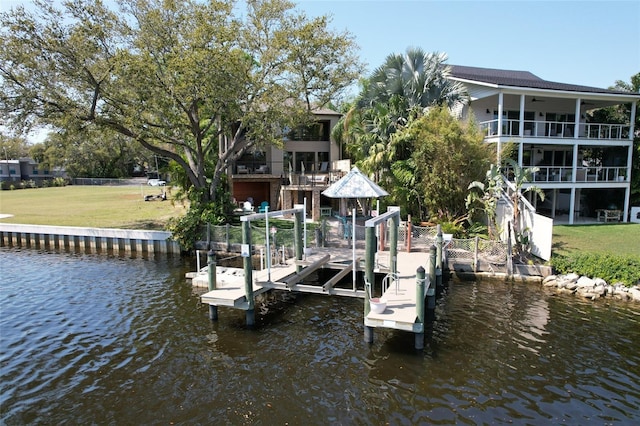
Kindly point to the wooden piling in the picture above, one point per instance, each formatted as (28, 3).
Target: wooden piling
(431, 291)
(297, 232)
(393, 244)
(369, 259)
(211, 270)
(248, 274)
(420, 311)
(409, 234)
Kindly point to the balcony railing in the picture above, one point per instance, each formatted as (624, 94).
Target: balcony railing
(556, 129)
(583, 174)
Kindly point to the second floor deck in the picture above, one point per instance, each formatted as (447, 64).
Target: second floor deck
(555, 174)
(555, 129)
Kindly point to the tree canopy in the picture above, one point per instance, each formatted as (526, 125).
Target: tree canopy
(446, 155)
(391, 132)
(198, 83)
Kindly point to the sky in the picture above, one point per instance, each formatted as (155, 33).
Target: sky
(590, 43)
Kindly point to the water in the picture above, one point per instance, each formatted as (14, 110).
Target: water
(92, 339)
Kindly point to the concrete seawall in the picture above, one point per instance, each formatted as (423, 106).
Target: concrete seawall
(87, 239)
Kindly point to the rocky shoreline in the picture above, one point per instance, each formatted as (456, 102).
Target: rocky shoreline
(591, 288)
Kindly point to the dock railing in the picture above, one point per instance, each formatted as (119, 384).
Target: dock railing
(479, 254)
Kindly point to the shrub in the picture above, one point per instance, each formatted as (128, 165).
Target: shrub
(611, 268)
(59, 181)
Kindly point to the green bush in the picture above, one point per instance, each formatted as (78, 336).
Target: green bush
(611, 268)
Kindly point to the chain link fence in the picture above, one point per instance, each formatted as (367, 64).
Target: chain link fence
(473, 254)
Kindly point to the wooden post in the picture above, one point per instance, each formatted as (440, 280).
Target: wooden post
(419, 337)
(439, 244)
(475, 254)
(297, 238)
(393, 245)
(431, 291)
(211, 270)
(409, 234)
(509, 251)
(369, 259)
(248, 274)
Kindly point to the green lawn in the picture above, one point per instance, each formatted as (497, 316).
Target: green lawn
(124, 207)
(90, 206)
(618, 239)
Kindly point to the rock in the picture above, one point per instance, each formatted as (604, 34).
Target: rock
(550, 283)
(599, 281)
(572, 277)
(550, 278)
(571, 285)
(600, 290)
(585, 282)
(634, 292)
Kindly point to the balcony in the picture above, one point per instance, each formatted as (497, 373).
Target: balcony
(555, 174)
(556, 129)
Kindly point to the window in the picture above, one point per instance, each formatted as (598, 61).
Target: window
(305, 161)
(319, 131)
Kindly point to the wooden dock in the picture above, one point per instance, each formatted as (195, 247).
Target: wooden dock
(401, 297)
(404, 290)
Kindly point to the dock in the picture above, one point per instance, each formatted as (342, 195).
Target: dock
(405, 287)
(401, 297)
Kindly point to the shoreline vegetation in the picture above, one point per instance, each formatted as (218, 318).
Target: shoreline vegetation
(610, 251)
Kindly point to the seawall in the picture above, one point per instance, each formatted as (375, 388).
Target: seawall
(87, 239)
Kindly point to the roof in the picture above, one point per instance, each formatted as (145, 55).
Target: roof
(522, 79)
(354, 185)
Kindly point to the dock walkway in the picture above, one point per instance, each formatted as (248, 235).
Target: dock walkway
(400, 296)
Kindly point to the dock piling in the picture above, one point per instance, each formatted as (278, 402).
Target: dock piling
(420, 294)
(211, 270)
(431, 291)
(248, 274)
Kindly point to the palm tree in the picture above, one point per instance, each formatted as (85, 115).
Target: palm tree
(398, 91)
(419, 78)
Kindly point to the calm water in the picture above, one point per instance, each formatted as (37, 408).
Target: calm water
(106, 340)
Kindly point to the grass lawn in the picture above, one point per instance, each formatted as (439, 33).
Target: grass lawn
(89, 206)
(618, 239)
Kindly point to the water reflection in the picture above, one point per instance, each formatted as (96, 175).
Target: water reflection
(98, 339)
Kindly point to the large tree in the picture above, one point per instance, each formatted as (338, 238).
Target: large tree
(199, 83)
(13, 147)
(444, 155)
(90, 153)
(400, 90)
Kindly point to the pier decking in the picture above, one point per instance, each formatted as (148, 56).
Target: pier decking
(405, 287)
(401, 297)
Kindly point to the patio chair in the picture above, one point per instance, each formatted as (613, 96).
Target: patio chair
(263, 207)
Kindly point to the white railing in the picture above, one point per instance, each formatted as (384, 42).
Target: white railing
(556, 129)
(583, 174)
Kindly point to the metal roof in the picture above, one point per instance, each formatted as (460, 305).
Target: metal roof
(354, 185)
(522, 79)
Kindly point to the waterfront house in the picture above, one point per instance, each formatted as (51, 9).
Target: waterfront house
(306, 165)
(22, 170)
(584, 166)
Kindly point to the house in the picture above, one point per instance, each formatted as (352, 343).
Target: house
(24, 169)
(584, 167)
(306, 165)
